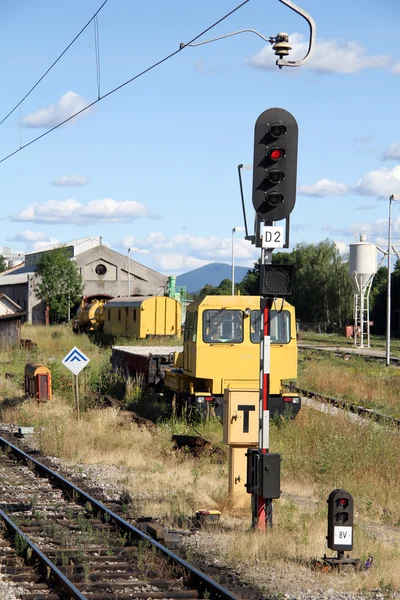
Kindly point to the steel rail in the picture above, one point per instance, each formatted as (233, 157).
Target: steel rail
(341, 351)
(44, 561)
(203, 580)
(345, 405)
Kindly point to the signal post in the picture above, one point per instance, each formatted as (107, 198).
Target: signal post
(274, 197)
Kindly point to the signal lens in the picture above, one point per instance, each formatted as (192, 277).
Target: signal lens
(275, 176)
(273, 198)
(276, 153)
(277, 282)
(343, 502)
(277, 130)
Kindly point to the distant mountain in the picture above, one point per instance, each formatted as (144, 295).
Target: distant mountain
(211, 274)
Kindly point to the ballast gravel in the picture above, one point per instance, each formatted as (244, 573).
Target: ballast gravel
(274, 583)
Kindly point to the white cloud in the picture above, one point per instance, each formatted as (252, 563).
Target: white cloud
(50, 242)
(373, 229)
(69, 104)
(365, 139)
(324, 187)
(178, 262)
(201, 67)
(330, 56)
(396, 68)
(365, 207)
(380, 183)
(184, 251)
(72, 211)
(70, 181)
(202, 246)
(28, 236)
(301, 227)
(343, 247)
(393, 152)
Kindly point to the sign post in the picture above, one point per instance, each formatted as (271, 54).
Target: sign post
(75, 361)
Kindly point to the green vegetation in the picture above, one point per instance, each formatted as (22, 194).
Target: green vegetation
(353, 378)
(320, 452)
(223, 289)
(323, 291)
(3, 264)
(60, 284)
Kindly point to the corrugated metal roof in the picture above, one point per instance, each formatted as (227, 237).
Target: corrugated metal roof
(128, 301)
(18, 271)
(89, 239)
(13, 279)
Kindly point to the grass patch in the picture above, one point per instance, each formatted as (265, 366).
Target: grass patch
(378, 342)
(319, 453)
(367, 383)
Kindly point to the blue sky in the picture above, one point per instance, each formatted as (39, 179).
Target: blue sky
(154, 166)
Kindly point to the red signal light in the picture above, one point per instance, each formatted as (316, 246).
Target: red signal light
(276, 153)
(343, 502)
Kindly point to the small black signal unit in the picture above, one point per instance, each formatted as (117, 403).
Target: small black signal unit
(340, 520)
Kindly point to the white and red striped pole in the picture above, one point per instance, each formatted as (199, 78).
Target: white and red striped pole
(262, 508)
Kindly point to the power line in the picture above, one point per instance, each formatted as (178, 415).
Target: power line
(54, 63)
(153, 66)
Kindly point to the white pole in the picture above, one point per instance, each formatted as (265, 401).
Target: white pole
(233, 265)
(389, 285)
(233, 258)
(129, 274)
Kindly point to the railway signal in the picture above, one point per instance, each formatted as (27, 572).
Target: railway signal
(340, 521)
(274, 197)
(275, 164)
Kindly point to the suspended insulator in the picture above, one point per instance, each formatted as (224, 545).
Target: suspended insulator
(282, 46)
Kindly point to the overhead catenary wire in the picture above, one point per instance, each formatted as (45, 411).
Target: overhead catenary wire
(116, 89)
(97, 52)
(56, 61)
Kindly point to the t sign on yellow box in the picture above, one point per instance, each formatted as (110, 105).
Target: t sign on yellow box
(241, 417)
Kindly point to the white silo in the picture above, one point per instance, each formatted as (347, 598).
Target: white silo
(363, 266)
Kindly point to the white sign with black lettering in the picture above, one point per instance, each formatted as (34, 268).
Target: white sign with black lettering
(272, 237)
(342, 536)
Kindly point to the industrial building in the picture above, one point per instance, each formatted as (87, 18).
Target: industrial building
(103, 271)
(11, 316)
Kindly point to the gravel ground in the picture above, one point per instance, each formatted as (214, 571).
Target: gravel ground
(289, 582)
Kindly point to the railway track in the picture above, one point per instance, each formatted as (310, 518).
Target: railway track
(366, 353)
(60, 543)
(346, 405)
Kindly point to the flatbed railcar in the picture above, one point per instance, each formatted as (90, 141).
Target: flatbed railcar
(221, 349)
(150, 362)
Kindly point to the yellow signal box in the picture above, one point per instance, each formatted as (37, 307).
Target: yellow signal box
(241, 417)
(238, 474)
(241, 424)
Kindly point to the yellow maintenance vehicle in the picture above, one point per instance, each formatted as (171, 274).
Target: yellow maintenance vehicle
(221, 349)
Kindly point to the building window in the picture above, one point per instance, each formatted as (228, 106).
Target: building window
(101, 270)
(119, 314)
(134, 314)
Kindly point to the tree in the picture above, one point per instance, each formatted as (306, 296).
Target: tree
(250, 284)
(3, 264)
(378, 300)
(322, 290)
(223, 289)
(60, 284)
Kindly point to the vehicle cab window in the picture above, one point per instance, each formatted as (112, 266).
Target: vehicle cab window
(223, 326)
(279, 327)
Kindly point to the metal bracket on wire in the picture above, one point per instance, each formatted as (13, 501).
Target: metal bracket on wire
(280, 42)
